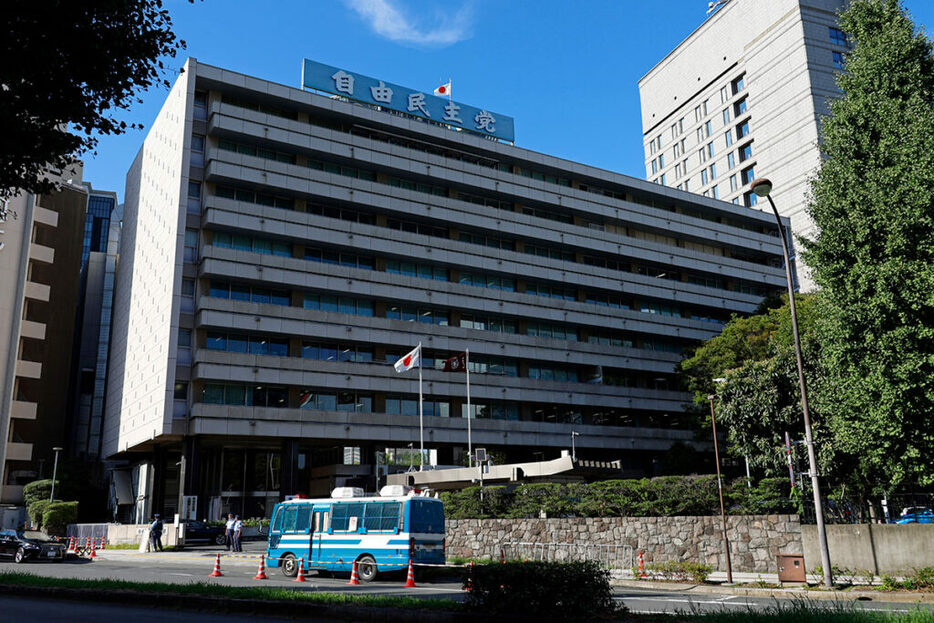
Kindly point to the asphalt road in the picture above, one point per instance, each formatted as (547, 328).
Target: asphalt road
(195, 565)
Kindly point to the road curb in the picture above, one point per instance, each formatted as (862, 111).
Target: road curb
(779, 593)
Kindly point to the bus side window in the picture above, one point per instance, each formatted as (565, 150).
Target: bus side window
(303, 520)
(288, 524)
(325, 524)
(277, 522)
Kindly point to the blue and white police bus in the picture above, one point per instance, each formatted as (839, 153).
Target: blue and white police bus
(379, 533)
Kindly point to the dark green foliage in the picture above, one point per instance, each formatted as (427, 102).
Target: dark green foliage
(38, 490)
(766, 497)
(554, 590)
(57, 516)
(66, 68)
(657, 497)
(873, 204)
(36, 510)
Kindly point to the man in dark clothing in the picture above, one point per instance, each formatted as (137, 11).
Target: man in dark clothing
(155, 533)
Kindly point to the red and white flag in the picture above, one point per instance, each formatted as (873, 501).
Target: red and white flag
(409, 361)
(444, 90)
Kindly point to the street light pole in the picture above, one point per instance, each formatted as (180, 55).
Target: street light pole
(716, 454)
(763, 188)
(574, 434)
(56, 450)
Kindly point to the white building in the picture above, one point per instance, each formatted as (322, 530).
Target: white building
(742, 97)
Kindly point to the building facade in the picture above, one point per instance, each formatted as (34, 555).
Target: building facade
(282, 248)
(742, 97)
(40, 251)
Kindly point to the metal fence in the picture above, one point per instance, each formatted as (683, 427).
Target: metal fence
(846, 511)
(609, 556)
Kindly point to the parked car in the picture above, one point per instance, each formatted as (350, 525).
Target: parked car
(916, 514)
(198, 531)
(30, 545)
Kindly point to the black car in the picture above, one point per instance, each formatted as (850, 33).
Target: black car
(30, 545)
(198, 531)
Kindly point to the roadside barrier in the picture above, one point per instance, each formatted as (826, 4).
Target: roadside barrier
(410, 578)
(354, 579)
(300, 577)
(261, 572)
(217, 568)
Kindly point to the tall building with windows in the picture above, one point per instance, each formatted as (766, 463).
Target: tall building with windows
(40, 251)
(742, 97)
(282, 248)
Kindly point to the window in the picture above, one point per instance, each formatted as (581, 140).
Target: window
(739, 84)
(837, 36)
(724, 94)
(661, 179)
(707, 127)
(194, 197)
(702, 154)
(704, 107)
(713, 171)
(715, 192)
(728, 137)
(745, 152)
(732, 182)
(191, 245)
(726, 116)
(750, 199)
(710, 149)
(652, 148)
(687, 184)
(700, 134)
(703, 177)
(837, 60)
(201, 105)
(739, 107)
(654, 166)
(674, 131)
(748, 175)
(680, 125)
(697, 113)
(677, 170)
(742, 130)
(197, 150)
(658, 141)
(661, 161)
(730, 160)
(677, 150)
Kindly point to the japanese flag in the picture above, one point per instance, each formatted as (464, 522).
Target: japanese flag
(444, 90)
(409, 361)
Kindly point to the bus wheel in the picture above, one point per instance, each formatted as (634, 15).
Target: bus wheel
(289, 566)
(366, 568)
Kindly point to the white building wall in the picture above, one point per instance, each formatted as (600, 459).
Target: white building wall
(148, 290)
(783, 49)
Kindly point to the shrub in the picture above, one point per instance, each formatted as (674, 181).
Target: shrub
(575, 590)
(38, 490)
(679, 571)
(36, 511)
(58, 515)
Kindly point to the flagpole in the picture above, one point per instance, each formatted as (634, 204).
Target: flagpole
(421, 426)
(469, 440)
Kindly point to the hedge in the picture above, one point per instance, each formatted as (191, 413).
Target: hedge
(58, 515)
(658, 497)
(36, 510)
(553, 590)
(38, 490)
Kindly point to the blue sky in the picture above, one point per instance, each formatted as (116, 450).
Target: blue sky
(567, 71)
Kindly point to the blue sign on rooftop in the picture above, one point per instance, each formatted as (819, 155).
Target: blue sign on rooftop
(379, 93)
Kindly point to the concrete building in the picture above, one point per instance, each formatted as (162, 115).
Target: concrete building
(742, 97)
(281, 248)
(40, 252)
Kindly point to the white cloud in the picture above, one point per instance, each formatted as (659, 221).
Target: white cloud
(388, 20)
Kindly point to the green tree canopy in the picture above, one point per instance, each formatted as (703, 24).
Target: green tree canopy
(873, 204)
(65, 69)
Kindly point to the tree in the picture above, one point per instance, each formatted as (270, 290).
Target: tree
(66, 68)
(873, 204)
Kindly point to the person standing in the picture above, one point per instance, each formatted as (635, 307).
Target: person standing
(237, 533)
(155, 533)
(228, 531)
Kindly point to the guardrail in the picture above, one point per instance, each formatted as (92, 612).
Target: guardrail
(613, 556)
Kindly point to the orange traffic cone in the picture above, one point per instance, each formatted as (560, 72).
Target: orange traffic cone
(261, 572)
(217, 568)
(102, 543)
(87, 544)
(354, 580)
(641, 566)
(502, 555)
(71, 544)
(468, 588)
(410, 578)
(93, 553)
(301, 571)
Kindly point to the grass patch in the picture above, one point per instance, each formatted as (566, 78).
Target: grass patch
(802, 611)
(121, 546)
(205, 589)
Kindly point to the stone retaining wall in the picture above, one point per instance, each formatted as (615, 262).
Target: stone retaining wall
(755, 540)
